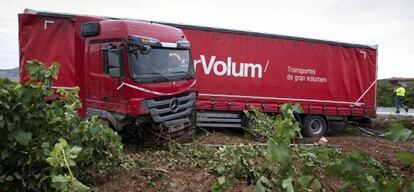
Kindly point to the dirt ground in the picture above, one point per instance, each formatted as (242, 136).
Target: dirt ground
(158, 170)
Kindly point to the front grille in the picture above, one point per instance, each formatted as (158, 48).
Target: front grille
(160, 108)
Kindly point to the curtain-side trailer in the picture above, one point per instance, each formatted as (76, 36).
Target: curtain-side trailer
(334, 82)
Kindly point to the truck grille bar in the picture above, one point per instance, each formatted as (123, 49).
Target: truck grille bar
(169, 108)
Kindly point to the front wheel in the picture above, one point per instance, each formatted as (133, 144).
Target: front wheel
(187, 137)
(314, 126)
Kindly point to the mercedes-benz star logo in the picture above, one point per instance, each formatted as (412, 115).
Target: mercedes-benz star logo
(174, 105)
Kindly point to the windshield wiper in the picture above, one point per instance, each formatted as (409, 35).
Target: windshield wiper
(187, 75)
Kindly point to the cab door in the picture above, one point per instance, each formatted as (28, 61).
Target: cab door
(105, 73)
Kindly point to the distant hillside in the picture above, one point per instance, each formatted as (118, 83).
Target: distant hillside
(12, 74)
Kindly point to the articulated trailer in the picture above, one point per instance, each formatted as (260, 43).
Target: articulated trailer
(334, 82)
(137, 76)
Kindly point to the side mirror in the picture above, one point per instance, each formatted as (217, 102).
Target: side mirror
(113, 58)
(114, 61)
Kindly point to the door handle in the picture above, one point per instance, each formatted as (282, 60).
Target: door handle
(105, 98)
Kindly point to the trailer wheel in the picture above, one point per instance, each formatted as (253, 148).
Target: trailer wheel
(314, 126)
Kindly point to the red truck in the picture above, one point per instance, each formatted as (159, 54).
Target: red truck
(137, 76)
(333, 82)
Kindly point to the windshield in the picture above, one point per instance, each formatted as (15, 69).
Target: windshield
(161, 64)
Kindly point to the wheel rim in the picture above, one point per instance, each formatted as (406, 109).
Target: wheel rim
(316, 126)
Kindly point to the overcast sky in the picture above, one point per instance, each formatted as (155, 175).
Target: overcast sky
(387, 23)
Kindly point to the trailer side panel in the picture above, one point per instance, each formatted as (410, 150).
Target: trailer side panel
(236, 71)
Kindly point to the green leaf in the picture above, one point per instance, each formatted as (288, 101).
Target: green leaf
(60, 178)
(287, 109)
(32, 67)
(371, 179)
(287, 184)
(61, 182)
(405, 157)
(17, 175)
(317, 184)
(78, 186)
(305, 180)
(9, 178)
(259, 187)
(392, 185)
(398, 133)
(55, 158)
(221, 184)
(221, 180)
(23, 137)
(72, 154)
(54, 68)
(2, 122)
(297, 108)
(278, 151)
(271, 149)
(261, 184)
(4, 154)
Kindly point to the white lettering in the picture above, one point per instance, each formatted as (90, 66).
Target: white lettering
(207, 68)
(229, 68)
(253, 71)
(223, 68)
(195, 64)
(46, 23)
(233, 70)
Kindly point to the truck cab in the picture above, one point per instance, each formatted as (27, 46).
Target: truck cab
(139, 74)
(136, 76)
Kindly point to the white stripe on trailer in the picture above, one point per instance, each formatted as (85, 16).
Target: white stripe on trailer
(278, 98)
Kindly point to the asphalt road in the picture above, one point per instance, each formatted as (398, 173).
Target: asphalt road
(391, 111)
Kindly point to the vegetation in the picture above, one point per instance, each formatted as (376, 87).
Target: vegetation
(302, 169)
(46, 146)
(281, 164)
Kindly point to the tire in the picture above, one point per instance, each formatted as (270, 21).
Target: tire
(187, 137)
(314, 126)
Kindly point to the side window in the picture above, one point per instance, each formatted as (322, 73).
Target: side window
(113, 60)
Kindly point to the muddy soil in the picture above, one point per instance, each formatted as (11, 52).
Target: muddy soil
(384, 122)
(378, 148)
(157, 170)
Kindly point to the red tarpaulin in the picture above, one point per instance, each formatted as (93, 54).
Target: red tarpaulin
(235, 70)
